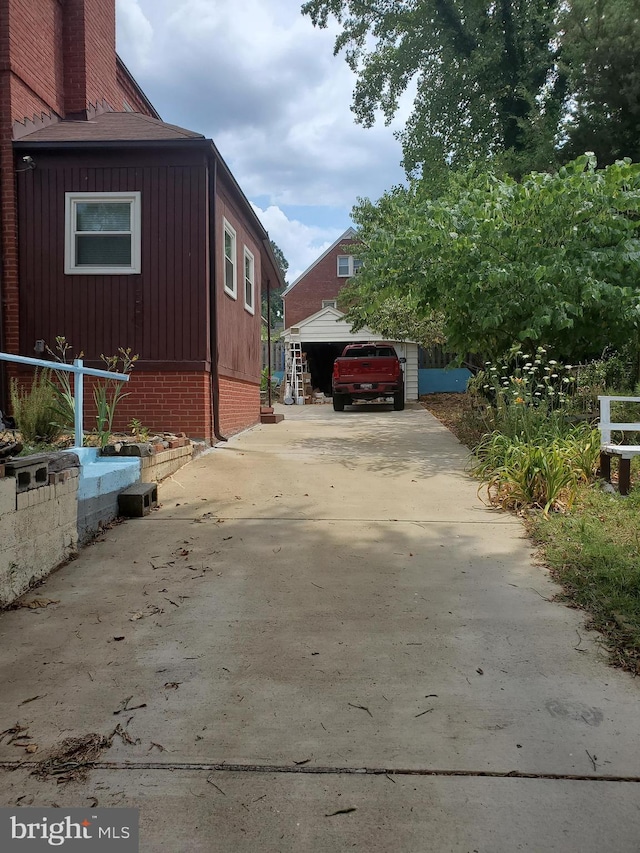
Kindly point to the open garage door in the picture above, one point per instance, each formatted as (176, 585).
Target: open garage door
(320, 358)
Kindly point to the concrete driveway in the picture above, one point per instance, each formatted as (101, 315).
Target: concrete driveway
(323, 641)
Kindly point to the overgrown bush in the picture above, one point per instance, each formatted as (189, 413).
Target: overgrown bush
(532, 454)
(612, 373)
(34, 410)
(544, 473)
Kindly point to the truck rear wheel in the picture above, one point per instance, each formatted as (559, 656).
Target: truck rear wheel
(338, 402)
(398, 401)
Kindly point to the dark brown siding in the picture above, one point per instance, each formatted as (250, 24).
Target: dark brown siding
(162, 314)
(239, 345)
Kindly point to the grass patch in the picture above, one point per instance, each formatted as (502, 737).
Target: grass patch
(594, 553)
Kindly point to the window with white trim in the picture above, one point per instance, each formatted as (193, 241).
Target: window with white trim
(348, 266)
(249, 278)
(329, 303)
(102, 233)
(230, 262)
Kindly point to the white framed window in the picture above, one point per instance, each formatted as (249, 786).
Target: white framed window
(102, 233)
(348, 266)
(230, 261)
(329, 303)
(249, 279)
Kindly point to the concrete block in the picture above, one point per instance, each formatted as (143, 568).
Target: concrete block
(138, 500)
(138, 448)
(93, 513)
(30, 472)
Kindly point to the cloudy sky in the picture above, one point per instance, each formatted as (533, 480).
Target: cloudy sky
(258, 79)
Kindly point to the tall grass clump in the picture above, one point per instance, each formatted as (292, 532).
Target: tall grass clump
(34, 409)
(532, 455)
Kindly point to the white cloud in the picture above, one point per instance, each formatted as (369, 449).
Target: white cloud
(134, 32)
(301, 244)
(258, 79)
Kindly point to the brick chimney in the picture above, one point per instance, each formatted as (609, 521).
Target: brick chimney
(89, 44)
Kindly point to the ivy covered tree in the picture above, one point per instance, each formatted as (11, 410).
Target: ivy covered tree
(485, 73)
(396, 318)
(552, 259)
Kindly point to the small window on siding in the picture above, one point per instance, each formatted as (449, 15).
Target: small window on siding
(102, 233)
(249, 277)
(230, 262)
(329, 303)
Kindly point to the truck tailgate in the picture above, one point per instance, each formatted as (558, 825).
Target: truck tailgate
(366, 369)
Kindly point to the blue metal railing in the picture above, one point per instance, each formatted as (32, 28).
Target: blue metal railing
(79, 371)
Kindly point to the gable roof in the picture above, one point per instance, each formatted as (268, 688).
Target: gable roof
(349, 234)
(110, 127)
(329, 325)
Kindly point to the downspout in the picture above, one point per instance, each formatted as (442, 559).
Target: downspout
(213, 303)
(269, 342)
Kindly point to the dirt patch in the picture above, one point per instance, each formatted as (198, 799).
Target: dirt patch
(451, 410)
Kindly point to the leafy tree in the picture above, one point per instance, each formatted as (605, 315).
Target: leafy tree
(397, 319)
(553, 259)
(601, 58)
(275, 296)
(485, 74)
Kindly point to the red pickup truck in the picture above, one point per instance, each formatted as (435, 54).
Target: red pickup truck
(366, 372)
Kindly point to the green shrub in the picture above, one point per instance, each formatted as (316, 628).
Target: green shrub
(545, 473)
(34, 410)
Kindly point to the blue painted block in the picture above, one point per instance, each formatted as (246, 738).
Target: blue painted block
(101, 475)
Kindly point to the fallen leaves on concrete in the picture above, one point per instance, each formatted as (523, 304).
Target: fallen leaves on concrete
(69, 761)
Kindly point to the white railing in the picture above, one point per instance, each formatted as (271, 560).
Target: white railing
(79, 372)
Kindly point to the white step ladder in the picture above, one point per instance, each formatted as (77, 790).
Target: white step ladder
(294, 370)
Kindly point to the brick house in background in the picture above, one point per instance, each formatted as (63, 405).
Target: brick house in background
(312, 317)
(118, 229)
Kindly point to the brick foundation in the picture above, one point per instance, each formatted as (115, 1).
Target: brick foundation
(239, 405)
(163, 402)
(171, 401)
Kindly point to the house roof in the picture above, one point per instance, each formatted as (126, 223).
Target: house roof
(329, 325)
(349, 234)
(111, 127)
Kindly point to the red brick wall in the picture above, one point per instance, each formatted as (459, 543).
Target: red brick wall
(320, 283)
(89, 37)
(239, 405)
(173, 401)
(170, 401)
(36, 61)
(164, 402)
